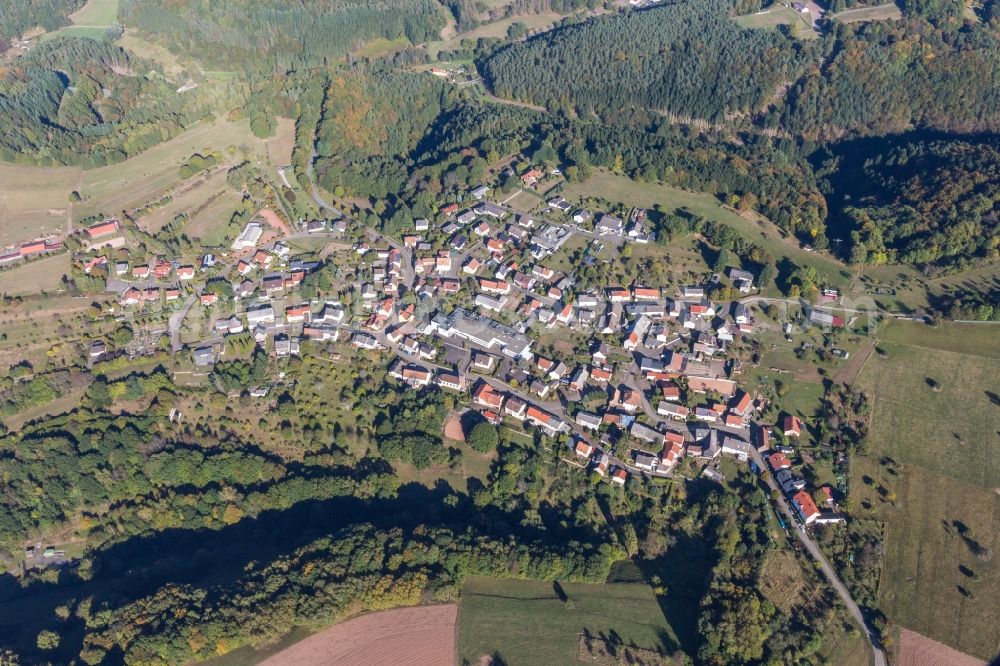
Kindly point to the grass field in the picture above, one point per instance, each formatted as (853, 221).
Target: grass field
(96, 12)
(142, 47)
(627, 191)
(889, 11)
(279, 147)
(142, 178)
(499, 28)
(34, 200)
(951, 431)
(933, 476)
(776, 15)
(209, 224)
(382, 46)
(35, 276)
(202, 194)
(526, 622)
(91, 20)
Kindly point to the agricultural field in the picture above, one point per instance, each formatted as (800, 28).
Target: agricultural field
(420, 635)
(539, 622)
(647, 195)
(886, 12)
(932, 476)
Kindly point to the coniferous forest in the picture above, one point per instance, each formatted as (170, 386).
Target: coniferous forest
(248, 34)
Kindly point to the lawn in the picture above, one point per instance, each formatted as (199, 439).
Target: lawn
(560, 260)
(526, 622)
(633, 193)
(932, 475)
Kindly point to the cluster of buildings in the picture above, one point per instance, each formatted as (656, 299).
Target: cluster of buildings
(655, 386)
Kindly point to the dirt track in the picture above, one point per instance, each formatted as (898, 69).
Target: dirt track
(422, 635)
(918, 650)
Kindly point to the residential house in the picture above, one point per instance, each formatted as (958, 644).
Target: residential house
(453, 381)
(806, 507)
(791, 426)
(601, 461)
(609, 225)
(736, 447)
(644, 433)
(600, 375)
(203, 356)
(550, 423)
(487, 396)
(619, 476)
(778, 461)
(588, 420)
(670, 410)
(647, 462)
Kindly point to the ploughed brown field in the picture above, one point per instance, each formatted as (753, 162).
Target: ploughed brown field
(420, 635)
(918, 650)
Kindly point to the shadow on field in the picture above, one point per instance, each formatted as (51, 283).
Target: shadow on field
(132, 569)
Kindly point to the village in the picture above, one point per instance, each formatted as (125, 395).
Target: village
(650, 389)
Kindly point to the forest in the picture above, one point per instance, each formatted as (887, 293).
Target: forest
(886, 77)
(686, 59)
(75, 101)
(931, 201)
(18, 17)
(371, 122)
(270, 34)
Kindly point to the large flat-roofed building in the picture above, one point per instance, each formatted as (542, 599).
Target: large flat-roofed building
(249, 237)
(484, 332)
